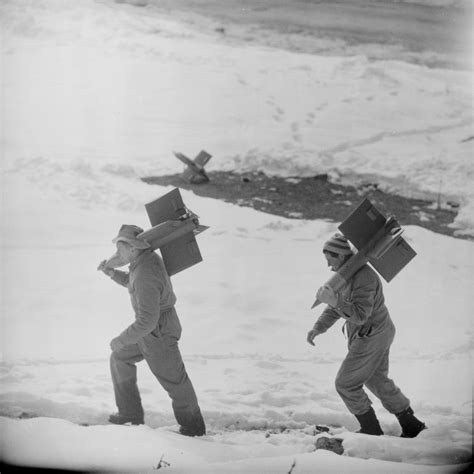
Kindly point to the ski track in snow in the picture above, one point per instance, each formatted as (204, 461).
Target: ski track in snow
(383, 135)
(294, 130)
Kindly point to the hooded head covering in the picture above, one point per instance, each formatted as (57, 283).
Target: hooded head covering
(337, 244)
(129, 234)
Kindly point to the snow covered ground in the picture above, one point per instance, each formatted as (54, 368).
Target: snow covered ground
(96, 94)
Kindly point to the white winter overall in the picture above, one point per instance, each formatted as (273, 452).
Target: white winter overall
(370, 333)
(154, 337)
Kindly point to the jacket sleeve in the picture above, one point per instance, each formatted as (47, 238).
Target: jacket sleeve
(358, 306)
(120, 277)
(326, 320)
(147, 293)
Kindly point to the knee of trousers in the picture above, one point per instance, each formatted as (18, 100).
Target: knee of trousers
(346, 383)
(114, 360)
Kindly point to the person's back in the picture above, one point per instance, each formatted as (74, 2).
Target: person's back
(149, 271)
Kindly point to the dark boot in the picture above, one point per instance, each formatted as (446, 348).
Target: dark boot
(411, 425)
(194, 427)
(118, 419)
(369, 423)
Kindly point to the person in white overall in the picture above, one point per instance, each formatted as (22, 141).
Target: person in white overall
(370, 333)
(153, 336)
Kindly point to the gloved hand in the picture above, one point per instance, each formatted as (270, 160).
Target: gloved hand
(311, 335)
(116, 344)
(103, 268)
(327, 295)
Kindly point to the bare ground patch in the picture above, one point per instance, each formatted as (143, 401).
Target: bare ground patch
(312, 198)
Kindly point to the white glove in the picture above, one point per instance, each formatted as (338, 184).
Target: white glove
(103, 268)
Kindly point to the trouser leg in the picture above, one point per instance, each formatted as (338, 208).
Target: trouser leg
(124, 378)
(164, 359)
(385, 389)
(168, 367)
(360, 364)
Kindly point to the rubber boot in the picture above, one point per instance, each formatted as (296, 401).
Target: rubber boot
(118, 419)
(194, 427)
(369, 423)
(411, 425)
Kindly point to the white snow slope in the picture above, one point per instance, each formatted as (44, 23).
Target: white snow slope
(96, 94)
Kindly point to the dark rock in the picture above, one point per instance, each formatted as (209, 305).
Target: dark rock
(330, 444)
